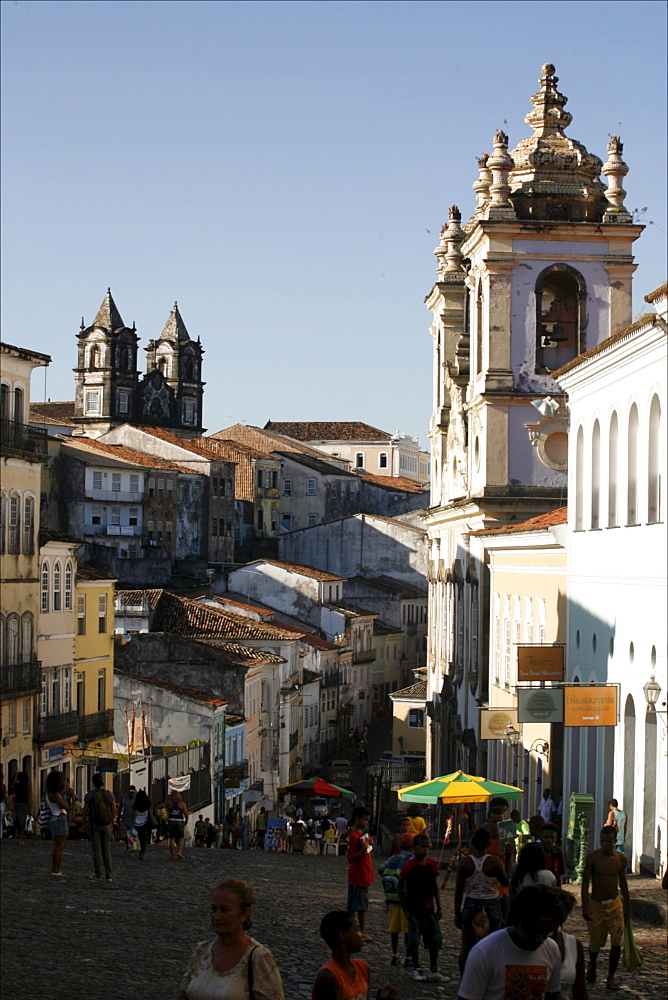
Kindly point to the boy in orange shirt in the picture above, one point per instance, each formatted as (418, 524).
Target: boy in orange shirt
(344, 977)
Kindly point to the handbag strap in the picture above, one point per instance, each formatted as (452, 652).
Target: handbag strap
(251, 994)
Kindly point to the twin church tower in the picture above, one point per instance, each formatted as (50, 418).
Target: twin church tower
(109, 390)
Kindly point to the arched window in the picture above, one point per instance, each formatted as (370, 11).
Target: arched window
(596, 476)
(27, 638)
(13, 640)
(579, 476)
(95, 356)
(613, 445)
(654, 463)
(18, 406)
(44, 587)
(3, 662)
(3, 518)
(163, 366)
(28, 526)
(528, 621)
(561, 297)
(4, 401)
(632, 468)
(56, 587)
(68, 586)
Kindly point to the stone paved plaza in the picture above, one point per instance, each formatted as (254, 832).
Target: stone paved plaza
(74, 937)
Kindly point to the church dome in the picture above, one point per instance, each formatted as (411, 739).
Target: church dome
(554, 178)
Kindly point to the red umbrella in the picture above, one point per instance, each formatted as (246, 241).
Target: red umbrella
(317, 786)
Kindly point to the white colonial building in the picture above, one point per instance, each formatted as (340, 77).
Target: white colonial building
(539, 274)
(617, 573)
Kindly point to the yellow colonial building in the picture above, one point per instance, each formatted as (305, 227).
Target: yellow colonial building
(93, 671)
(23, 449)
(527, 566)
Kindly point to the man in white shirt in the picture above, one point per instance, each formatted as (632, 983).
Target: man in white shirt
(521, 960)
(547, 806)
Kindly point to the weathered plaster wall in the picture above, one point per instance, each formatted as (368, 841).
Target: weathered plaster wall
(169, 658)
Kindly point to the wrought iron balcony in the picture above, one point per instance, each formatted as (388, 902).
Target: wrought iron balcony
(97, 725)
(63, 726)
(18, 680)
(29, 442)
(364, 655)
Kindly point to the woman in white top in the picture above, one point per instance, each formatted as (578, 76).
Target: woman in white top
(571, 951)
(233, 963)
(531, 869)
(143, 825)
(59, 820)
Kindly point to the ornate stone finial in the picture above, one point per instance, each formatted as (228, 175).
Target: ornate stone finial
(82, 327)
(615, 170)
(548, 116)
(482, 184)
(500, 164)
(448, 254)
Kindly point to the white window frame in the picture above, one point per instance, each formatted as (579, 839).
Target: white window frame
(44, 587)
(93, 402)
(67, 604)
(418, 715)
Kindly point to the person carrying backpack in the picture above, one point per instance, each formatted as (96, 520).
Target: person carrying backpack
(389, 875)
(100, 810)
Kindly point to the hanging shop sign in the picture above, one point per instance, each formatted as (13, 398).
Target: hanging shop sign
(590, 706)
(540, 704)
(540, 663)
(495, 721)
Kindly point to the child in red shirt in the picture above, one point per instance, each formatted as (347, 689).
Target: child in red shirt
(360, 867)
(418, 892)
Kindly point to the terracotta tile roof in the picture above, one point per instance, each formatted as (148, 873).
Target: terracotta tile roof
(222, 445)
(382, 628)
(227, 601)
(310, 677)
(316, 574)
(61, 412)
(47, 534)
(539, 523)
(317, 642)
(405, 591)
(123, 454)
(191, 619)
(90, 573)
(236, 653)
(657, 293)
(320, 464)
(174, 439)
(416, 692)
(184, 692)
(268, 441)
(233, 720)
(395, 483)
(337, 430)
(136, 597)
(641, 322)
(243, 456)
(351, 610)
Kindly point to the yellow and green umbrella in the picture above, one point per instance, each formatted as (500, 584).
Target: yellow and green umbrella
(457, 788)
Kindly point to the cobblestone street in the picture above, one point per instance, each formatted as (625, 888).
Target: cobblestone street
(80, 938)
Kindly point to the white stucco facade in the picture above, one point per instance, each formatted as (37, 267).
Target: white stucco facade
(617, 576)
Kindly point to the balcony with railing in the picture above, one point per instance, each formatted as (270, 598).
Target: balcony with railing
(97, 725)
(364, 655)
(61, 726)
(18, 680)
(22, 439)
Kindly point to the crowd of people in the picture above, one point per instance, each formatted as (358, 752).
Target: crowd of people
(509, 903)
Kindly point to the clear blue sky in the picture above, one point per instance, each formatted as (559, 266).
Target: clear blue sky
(276, 166)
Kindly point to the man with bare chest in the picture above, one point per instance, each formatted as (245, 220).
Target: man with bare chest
(609, 907)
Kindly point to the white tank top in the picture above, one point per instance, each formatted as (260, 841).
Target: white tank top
(479, 885)
(570, 960)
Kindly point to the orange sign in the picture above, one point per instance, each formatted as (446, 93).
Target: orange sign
(590, 706)
(540, 663)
